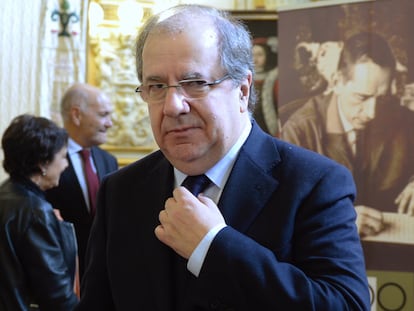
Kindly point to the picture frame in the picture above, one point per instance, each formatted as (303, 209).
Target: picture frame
(263, 26)
(260, 23)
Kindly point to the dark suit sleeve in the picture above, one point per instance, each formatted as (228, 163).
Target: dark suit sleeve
(99, 297)
(320, 266)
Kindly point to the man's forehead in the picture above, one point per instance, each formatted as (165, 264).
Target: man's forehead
(370, 73)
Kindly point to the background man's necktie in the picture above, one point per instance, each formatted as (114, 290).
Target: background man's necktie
(196, 184)
(91, 179)
(352, 140)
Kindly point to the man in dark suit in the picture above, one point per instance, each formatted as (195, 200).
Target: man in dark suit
(86, 113)
(273, 230)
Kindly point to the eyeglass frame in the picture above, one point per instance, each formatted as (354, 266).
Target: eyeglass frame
(165, 86)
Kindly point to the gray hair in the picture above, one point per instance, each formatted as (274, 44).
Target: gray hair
(234, 39)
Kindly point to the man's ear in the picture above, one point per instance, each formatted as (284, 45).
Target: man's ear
(338, 81)
(75, 115)
(245, 92)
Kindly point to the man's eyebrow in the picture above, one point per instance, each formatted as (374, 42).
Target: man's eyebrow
(192, 75)
(152, 79)
(185, 76)
(365, 95)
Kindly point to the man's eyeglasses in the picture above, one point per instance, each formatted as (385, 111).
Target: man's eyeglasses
(192, 89)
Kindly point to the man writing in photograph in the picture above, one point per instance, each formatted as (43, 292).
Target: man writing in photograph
(362, 125)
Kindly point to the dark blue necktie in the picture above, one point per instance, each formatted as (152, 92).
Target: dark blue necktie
(196, 184)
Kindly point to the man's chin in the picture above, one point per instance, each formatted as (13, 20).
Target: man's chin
(183, 152)
(101, 139)
(360, 126)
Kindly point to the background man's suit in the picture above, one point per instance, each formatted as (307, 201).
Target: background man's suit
(266, 192)
(68, 198)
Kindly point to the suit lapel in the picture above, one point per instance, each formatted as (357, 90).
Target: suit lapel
(70, 181)
(99, 163)
(251, 182)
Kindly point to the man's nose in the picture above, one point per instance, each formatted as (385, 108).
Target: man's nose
(175, 102)
(108, 122)
(369, 108)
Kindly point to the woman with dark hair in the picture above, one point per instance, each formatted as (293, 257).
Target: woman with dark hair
(38, 250)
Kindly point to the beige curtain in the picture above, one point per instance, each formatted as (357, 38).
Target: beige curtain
(36, 64)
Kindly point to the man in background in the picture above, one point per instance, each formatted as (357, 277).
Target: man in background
(361, 125)
(86, 113)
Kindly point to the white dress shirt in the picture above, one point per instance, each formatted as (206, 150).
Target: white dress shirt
(348, 128)
(77, 163)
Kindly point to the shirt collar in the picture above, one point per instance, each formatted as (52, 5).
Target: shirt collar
(73, 147)
(345, 123)
(220, 172)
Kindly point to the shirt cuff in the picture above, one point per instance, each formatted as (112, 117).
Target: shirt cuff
(196, 260)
